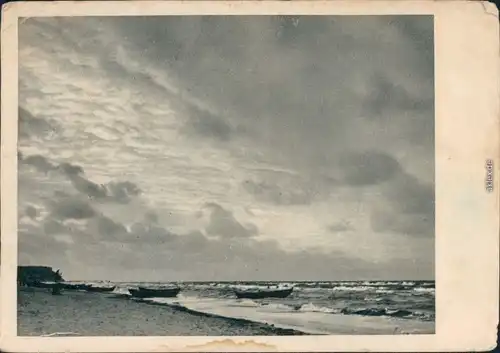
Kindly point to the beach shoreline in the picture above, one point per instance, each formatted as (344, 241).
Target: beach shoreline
(97, 314)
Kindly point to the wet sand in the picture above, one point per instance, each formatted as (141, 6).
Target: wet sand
(99, 314)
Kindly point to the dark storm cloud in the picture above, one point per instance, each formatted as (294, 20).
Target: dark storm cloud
(70, 169)
(408, 206)
(368, 168)
(119, 192)
(420, 29)
(411, 208)
(195, 241)
(108, 227)
(151, 217)
(223, 224)
(246, 259)
(34, 246)
(238, 258)
(99, 227)
(289, 84)
(39, 162)
(387, 96)
(286, 81)
(340, 227)
(411, 195)
(79, 237)
(141, 234)
(88, 187)
(147, 233)
(30, 125)
(52, 227)
(31, 212)
(152, 246)
(206, 124)
(122, 191)
(72, 208)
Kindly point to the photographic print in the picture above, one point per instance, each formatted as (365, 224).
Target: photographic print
(249, 176)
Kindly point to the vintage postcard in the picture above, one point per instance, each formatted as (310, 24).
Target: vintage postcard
(249, 176)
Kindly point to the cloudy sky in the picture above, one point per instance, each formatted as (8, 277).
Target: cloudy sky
(226, 148)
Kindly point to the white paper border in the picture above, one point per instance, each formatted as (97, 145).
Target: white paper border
(467, 73)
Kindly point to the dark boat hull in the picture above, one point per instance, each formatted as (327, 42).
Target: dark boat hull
(154, 293)
(283, 293)
(100, 289)
(38, 284)
(69, 286)
(42, 285)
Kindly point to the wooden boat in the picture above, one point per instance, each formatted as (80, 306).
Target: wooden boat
(74, 286)
(39, 284)
(263, 293)
(142, 292)
(100, 289)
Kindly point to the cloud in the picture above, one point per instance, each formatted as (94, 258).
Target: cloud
(72, 208)
(93, 226)
(407, 206)
(29, 125)
(39, 162)
(342, 104)
(387, 96)
(88, 187)
(150, 234)
(278, 195)
(410, 209)
(31, 212)
(120, 192)
(368, 168)
(70, 169)
(108, 227)
(151, 217)
(143, 233)
(52, 227)
(343, 226)
(223, 224)
(35, 249)
(190, 256)
(204, 123)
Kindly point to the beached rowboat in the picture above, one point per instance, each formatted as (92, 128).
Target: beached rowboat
(100, 289)
(142, 292)
(74, 286)
(263, 293)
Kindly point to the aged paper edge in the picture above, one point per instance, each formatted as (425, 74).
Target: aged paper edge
(467, 77)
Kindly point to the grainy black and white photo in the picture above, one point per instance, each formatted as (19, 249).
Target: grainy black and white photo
(226, 176)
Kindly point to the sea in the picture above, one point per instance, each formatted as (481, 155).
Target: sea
(312, 307)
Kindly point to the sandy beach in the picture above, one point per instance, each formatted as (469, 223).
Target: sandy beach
(98, 314)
